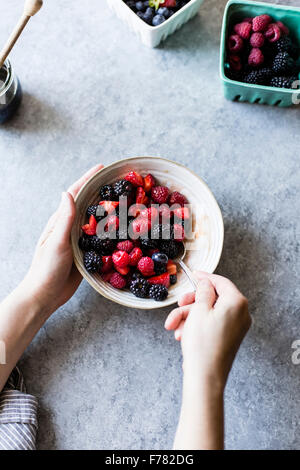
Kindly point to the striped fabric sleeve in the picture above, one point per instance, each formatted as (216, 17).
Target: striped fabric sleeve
(18, 415)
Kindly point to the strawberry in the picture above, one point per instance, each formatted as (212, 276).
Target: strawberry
(109, 206)
(178, 232)
(168, 3)
(90, 228)
(140, 226)
(112, 223)
(151, 214)
(107, 264)
(135, 210)
(120, 259)
(149, 182)
(124, 271)
(163, 279)
(171, 267)
(182, 213)
(135, 178)
(135, 255)
(141, 197)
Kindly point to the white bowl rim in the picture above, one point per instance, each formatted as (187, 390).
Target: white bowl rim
(165, 303)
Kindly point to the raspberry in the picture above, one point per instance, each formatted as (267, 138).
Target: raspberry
(283, 63)
(235, 62)
(235, 43)
(273, 32)
(284, 29)
(256, 57)
(106, 193)
(257, 40)
(177, 198)
(243, 29)
(260, 23)
(158, 292)
(92, 262)
(127, 246)
(140, 288)
(134, 178)
(117, 281)
(163, 279)
(149, 182)
(160, 194)
(107, 264)
(121, 259)
(134, 256)
(107, 276)
(146, 266)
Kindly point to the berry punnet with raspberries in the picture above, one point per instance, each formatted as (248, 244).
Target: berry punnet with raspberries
(261, 51)
(155, 12)
(134, 233)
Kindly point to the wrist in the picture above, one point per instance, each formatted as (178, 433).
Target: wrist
(27, 295)
(199, 379)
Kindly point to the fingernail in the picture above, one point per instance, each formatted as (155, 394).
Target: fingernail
(177, 334)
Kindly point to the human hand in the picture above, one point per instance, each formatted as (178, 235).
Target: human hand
(211, 325)
(53, 278)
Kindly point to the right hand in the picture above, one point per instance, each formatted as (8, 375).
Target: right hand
(211, 324)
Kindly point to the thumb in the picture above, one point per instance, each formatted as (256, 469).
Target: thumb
(205, 293)
(65, 218)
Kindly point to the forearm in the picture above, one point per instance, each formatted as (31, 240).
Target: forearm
(201, 423)
(21, 317)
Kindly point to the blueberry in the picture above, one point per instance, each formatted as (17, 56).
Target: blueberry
(158, 19)
(131, 4)
(140, 6)
(160, 258)
(164, 11)
(148, 15)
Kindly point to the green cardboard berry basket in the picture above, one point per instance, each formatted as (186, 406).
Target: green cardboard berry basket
(235, 12)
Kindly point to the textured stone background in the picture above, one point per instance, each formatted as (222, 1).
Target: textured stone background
(110, 377)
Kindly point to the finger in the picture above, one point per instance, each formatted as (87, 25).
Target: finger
(65, 219)
(75, 187)
(176, 316)
(221, 284)
(179, 331)
(187, 299)
(205, 293)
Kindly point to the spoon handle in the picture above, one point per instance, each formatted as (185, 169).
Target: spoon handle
(189, 273)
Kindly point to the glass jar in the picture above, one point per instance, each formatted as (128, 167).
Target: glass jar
(10, 92)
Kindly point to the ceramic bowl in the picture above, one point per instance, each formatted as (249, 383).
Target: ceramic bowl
(151, 36)
(204, 250)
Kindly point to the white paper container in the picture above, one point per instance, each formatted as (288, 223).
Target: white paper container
(151, 36)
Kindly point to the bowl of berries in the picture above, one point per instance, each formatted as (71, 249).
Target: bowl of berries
(132, 220)
(154, 20)
(260, 53)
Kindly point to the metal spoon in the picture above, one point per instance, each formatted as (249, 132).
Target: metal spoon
(184, 267)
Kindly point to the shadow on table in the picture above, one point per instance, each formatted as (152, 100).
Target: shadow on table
(35, 116)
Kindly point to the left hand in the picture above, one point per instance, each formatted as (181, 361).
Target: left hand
(53, 278)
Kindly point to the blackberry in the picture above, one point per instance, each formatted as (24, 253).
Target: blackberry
(170, 248)
(282, 82)
(259, 77)
(84, 243)
(107, 193)
(92, 262)
(283, 44)
(158, 292)
(123, 188)
(106, 246)
(92, 210)
(140, 288)
(148, 244)
(137, 275)
(173, 279)
(283, 63)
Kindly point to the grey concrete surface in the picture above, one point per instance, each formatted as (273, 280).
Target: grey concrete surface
(109, 377)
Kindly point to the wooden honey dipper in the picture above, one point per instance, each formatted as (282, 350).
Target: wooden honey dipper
(31, 7)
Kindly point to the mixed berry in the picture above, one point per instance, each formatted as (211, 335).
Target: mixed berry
(134, 234)
(260, 51)
(155, 12)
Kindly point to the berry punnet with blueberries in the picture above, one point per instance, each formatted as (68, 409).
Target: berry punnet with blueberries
(155, 12)
(260, 51)
(134, 234)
